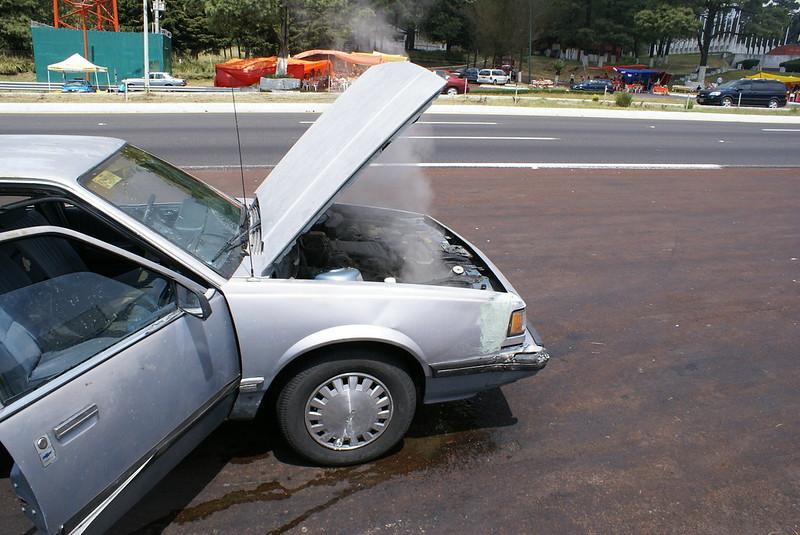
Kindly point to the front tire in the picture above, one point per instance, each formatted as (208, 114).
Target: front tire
(347, 407)
(727, 102)
(452, 91)
(773, 103)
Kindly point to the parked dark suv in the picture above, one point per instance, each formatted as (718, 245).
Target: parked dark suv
(594, 86)
(752, 92)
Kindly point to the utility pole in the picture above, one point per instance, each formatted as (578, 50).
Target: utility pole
(146, 51)
(530, 38)
(158, 7)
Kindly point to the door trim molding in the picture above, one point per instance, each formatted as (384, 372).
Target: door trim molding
(82, 519)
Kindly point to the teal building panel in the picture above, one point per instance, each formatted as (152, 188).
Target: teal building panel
(121, 52)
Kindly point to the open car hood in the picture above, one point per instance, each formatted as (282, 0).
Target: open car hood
(354, 130)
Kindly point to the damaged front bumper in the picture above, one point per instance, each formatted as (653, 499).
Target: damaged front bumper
(462, 379)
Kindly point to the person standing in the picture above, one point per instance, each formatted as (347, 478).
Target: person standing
(572, 79)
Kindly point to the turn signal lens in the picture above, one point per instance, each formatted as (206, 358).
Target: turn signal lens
(516, 326)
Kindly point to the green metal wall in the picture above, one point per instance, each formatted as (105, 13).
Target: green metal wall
(121, 52)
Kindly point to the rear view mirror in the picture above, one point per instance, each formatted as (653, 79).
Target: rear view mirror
(192, 302)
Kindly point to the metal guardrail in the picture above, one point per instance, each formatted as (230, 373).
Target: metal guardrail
(56, 86)
(27, 86)
(191, 89)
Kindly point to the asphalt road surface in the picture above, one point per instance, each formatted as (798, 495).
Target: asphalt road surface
(210, 140)
(669, 299)
(670, 303)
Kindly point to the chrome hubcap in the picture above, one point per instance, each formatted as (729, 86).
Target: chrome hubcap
(348, 411)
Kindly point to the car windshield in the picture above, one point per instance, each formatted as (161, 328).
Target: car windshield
(195, 217)
(728, 85)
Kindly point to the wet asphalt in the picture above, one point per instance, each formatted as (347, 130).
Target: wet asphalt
(669, 300)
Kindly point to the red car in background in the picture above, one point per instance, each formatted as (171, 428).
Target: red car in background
(454, 85)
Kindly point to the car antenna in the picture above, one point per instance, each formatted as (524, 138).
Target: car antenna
(241, 171)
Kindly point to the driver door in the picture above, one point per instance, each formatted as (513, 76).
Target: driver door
(112, 369)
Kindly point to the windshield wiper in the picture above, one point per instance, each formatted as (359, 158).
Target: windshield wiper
(241, 237)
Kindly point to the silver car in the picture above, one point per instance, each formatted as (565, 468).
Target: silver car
(140, 308)
(157, 79)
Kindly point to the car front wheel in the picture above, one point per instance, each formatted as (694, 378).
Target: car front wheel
(773, 103)
(452, 91)
(347, 407)
(727, 102)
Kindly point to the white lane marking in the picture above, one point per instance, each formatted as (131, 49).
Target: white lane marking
(231, 166)
(553, 165)
(455, 123)
(506, 165)
(780, 129)
(498, 138)
(476, 123)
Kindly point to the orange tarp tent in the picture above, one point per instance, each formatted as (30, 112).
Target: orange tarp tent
(246, 72)
(354, 58)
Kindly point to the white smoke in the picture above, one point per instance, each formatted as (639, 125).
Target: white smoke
(371, 30)
(388, 185)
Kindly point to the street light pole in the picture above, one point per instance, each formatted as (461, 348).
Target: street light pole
(530, 38)
(146, 51)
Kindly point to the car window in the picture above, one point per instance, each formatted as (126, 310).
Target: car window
(62, 302)
(484, 73)
(185, 211)
(498, 73)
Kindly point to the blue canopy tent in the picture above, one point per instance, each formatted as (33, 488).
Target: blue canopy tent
(647, 77)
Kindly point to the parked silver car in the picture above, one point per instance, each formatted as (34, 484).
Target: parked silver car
(157, 79)
(140, 307)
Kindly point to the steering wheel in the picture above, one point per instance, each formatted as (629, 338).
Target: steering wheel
(148, 210)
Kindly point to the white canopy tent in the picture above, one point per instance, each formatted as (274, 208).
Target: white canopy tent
(77, 63)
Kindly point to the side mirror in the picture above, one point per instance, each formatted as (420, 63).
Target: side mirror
(193, 302)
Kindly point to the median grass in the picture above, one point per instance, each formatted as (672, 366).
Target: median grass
(639, 102)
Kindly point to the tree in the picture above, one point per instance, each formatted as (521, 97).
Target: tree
(595, 26)
(15, 23)
(447, 21)
(406, 15)
(187, 21)
(558, 66)
(768, 21)
(660, 25)
(709, 11)
(249, 24)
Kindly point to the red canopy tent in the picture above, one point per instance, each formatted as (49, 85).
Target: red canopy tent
(246, 72)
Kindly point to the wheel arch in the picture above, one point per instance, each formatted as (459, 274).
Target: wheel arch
(410, 359)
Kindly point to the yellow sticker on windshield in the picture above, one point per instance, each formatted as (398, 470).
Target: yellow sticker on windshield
(106, 178)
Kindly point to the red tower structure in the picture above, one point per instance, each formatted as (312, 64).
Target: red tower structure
(86, 14)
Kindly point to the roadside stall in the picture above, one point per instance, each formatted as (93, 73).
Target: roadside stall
(347, 66)
(792, 83)
(643, 80)
(77, 64)
(247, 72)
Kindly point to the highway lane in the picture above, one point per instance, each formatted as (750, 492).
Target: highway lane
(209, 139)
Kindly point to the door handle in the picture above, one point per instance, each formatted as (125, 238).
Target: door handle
(74, 422)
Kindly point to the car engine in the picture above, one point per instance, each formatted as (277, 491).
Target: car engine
(372, 244)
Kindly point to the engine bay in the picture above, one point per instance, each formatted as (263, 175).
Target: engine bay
(373, 244)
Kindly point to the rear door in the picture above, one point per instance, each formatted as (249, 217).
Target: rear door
(748, 94)
(112, 368)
